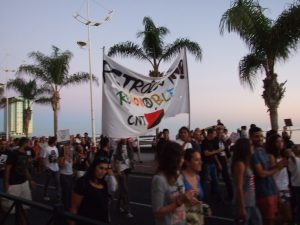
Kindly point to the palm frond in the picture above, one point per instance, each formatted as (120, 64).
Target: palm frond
(2, 103)
(18, 84)
(127, 49)
(246, 18)
(79, 78)
(248, 68)
(153, 38)
(33, 70)
(173, 49)
(286, 31)
(43, 100)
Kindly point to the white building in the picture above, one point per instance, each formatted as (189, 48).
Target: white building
(16, 117)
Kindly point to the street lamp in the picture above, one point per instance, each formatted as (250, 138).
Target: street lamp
(86, 21)
(6, 102)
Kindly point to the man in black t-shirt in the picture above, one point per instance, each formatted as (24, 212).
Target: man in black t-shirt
(210, 161)
(16, 175)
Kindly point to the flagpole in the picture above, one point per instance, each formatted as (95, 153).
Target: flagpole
(188, 84)
(103, 53)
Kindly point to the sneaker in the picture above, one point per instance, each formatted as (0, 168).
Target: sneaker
(46, 198)
(129, 215)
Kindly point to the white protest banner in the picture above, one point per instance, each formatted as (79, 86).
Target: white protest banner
(134, 104)
(63, 135)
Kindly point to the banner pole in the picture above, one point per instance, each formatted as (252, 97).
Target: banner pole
(188, 84)
(103, 53)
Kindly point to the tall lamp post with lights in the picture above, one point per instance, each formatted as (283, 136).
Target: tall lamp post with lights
(6, 103)
(86, 21)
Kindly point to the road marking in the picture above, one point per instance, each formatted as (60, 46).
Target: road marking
(137, 203)
(141, 204)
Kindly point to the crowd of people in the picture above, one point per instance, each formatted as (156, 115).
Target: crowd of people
(85, 178)
(261, 175)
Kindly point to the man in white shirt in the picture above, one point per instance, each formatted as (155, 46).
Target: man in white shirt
(50, 157)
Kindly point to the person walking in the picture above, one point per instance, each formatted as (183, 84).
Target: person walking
(191, 179)
(66, 175)
(92, 192)
(266, 190)
(167, 189)
(184, 138)
(50, 157)
(244, 186)
(17, 179)
(122, 160)
(276, 151)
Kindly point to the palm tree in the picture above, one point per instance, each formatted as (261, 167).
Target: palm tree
(53, 72)
(268, 41)
(153, 48)
(31, 93)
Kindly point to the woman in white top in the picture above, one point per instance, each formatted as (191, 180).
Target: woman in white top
(184, 138)
(275, 149)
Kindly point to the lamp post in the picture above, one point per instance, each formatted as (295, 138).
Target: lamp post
(86, 21)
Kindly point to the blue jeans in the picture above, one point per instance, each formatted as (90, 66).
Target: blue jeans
(211, 174)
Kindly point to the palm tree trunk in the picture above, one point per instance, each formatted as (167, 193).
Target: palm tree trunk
(274, 118)
(28, 113)
(55, 106)
(55, 119)
(273, 93)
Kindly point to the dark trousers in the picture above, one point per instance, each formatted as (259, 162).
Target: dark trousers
(56, 178)
(123, 198)
(66, 182)
(227, 179)
(210, 174)
(296, 201)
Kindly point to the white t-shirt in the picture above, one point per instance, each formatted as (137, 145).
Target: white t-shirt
(126, 163)
(43, 147)
(281, 179)
(51, 157)
(186, 146)
(294, 168)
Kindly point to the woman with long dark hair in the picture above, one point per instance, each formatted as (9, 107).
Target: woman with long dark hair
(168, 191)
(191, 180)
(92, 192)
(276, 151)
(244, 186)
(184, 138)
